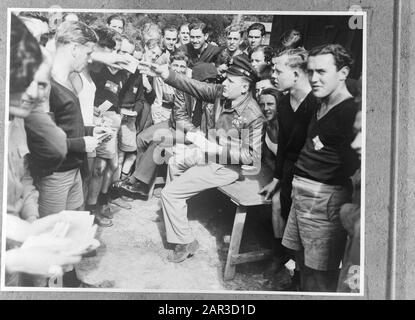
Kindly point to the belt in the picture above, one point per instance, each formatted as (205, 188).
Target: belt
(128, 105)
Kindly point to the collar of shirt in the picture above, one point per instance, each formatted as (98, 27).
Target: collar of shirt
(239, 107)
(198, 52)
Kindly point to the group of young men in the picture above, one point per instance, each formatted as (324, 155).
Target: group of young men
(199, 108)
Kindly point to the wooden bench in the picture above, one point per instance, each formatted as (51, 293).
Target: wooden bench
(245, 194)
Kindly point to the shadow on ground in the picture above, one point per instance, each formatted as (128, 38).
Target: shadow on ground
(133, 254)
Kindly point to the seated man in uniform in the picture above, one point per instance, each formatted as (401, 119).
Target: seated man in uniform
(238, 123)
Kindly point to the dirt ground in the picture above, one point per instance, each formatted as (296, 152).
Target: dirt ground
(133, 252)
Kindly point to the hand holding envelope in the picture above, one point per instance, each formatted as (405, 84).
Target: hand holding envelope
(153, 69)
(132, 64)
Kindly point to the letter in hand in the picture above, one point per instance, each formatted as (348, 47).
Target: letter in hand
(91, 143)
(269, 190)
(98, 131)
(146, 83)
(103, 134)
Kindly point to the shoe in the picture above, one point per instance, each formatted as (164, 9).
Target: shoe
(90, 254)
(115, 185)
(102, 221)
(121, 203)
(183, 251)
(105, 211)
(295, 282)
(138, 188)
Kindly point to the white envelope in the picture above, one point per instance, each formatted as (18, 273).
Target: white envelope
(132, 64)
(105, 106)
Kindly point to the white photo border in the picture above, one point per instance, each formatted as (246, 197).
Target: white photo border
(354, 12)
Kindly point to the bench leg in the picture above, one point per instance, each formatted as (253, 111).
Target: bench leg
(236, 237)
(56, 282)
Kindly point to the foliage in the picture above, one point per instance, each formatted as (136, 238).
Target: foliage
(135, 22)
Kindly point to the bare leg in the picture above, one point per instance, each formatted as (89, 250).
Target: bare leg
(128, 162)
(109, 174)
(95, 184)
(121, 159)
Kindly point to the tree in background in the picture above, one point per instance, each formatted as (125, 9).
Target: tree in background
(137, 22)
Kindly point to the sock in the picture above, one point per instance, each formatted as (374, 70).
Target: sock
(70, 279)
(103, 198)
(91, 207)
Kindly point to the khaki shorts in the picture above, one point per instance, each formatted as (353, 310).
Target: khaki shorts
(128, 136)
(60, 191)
(109, 149)
(314, 223)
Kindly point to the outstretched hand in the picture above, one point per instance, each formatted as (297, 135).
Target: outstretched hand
(112, 59)
(153, 69)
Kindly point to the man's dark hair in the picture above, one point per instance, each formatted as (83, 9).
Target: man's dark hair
(291, 39)
(105, 37)
(115, 17)
(179, 55)
(267, 50)
(169, 28)
(199, 25)
(342, 58)
(138, 45)
(224, 57)
(257, 26)
(34, 15)
(273, 92)
(25, 56)
(264, 72)
(45, 37)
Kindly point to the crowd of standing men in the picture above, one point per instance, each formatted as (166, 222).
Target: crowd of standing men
(94, 111)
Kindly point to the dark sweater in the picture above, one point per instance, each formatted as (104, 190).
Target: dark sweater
(292, 130)
(209, 54)
(108, 87)
(67, 111)
(327, 156)
(133, 90)
(46, 142)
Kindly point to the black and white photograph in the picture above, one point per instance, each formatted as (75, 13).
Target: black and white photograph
(184, 151)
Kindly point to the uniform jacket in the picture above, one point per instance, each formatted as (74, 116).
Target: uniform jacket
(238, 129)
